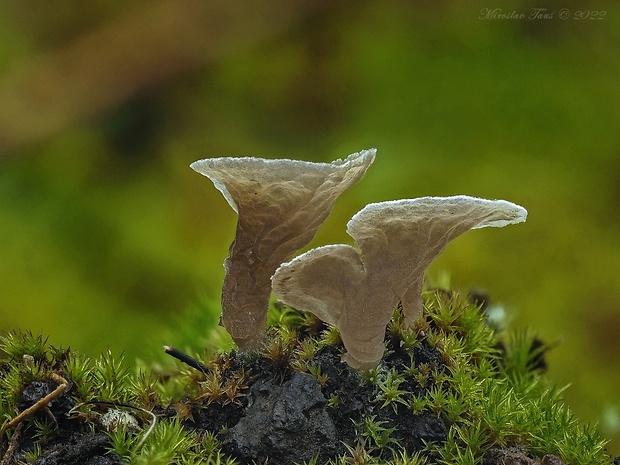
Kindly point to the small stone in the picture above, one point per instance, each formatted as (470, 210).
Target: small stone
(286, 423)
(115, 418)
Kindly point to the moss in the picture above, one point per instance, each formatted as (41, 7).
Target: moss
(452, 391)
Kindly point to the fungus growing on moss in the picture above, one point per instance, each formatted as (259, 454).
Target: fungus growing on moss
(358, 291)
(280, 206)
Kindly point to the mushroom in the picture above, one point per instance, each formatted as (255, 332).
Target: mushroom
(280, 206)
(357, 291)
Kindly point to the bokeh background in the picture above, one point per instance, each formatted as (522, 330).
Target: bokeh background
(108, 239)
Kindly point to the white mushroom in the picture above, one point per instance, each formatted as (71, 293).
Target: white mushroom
(280, 206)
(358, 291)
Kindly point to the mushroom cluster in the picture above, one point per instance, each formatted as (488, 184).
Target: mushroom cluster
(357, 291)
(280, 206)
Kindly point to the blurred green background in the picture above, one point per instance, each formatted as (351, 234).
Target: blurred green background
(108, 238)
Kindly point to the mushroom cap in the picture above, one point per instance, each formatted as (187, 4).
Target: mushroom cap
(357, 292)
(242, 179)
(323, 294)
(280, 205)
(460, 212)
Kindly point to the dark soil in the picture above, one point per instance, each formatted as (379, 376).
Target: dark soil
(71, 442)
(285, 415)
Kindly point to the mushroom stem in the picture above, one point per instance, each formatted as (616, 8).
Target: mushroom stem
(411, 301)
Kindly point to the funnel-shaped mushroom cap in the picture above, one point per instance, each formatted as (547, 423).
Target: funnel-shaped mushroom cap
(398, 240)
(280, 206)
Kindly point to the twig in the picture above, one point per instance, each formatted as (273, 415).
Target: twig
(10, 451)
(41, 403)
(192, 362)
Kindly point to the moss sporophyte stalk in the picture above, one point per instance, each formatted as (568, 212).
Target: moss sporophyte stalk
(357, 361)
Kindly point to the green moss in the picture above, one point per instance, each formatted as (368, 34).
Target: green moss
(488, 388)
